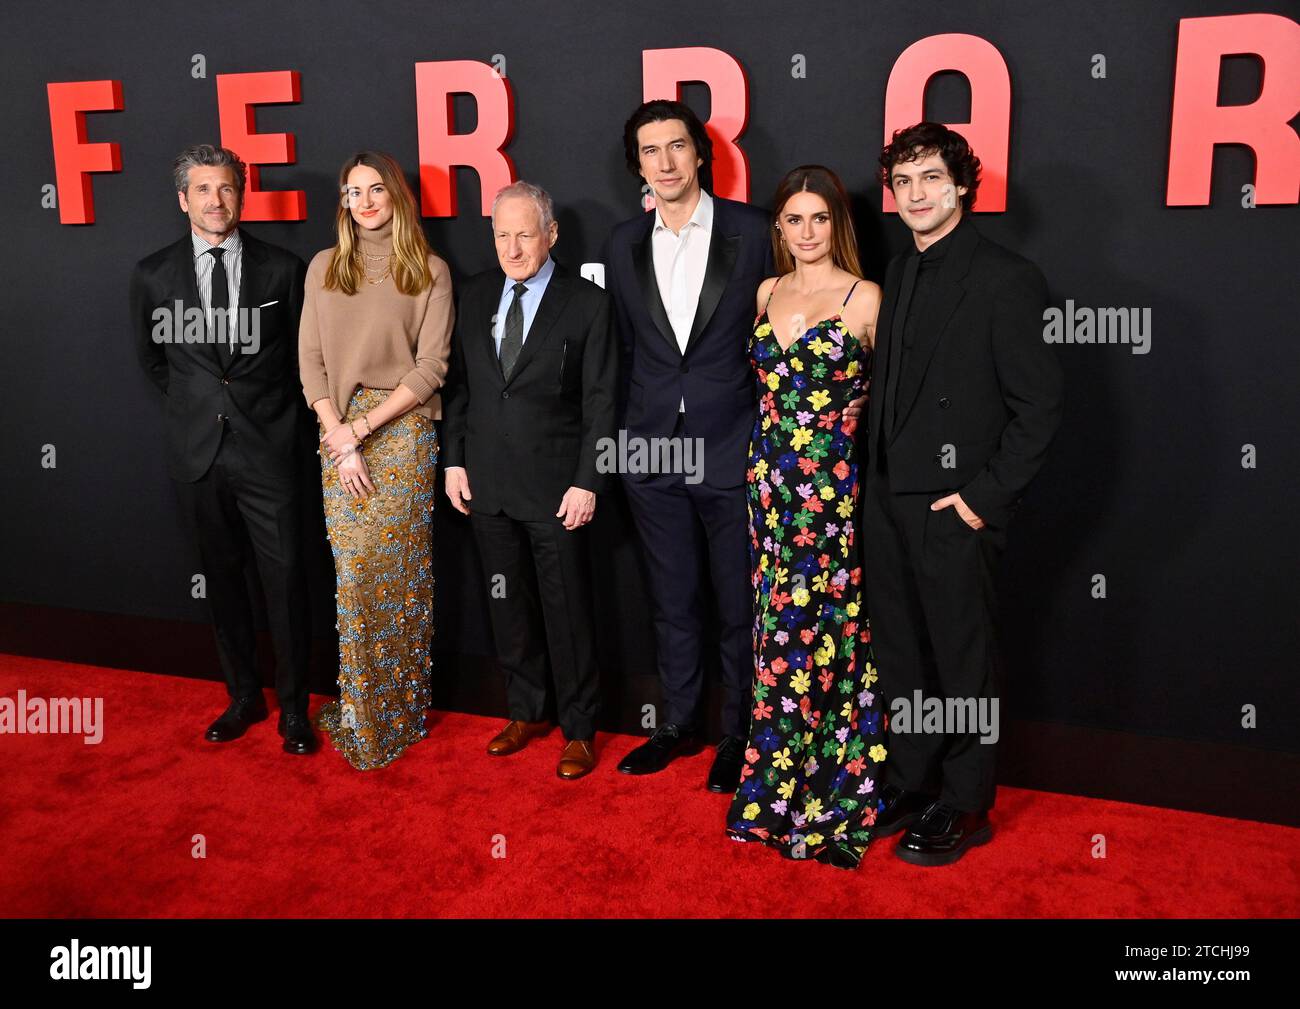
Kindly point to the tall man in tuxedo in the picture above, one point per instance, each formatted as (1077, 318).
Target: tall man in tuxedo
(216, 327)
(530, 398)
(965, 399)
(684, 280)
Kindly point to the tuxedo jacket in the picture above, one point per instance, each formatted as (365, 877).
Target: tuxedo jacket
(525, 441)
(980, 399)
(714, 374)
(258, 395)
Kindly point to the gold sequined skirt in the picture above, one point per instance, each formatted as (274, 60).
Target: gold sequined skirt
(383, 564)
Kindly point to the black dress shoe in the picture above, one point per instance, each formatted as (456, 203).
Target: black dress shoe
(902, 809)
(235, 720)
(298, 734)
(724, 775)
(658, 751)
(943, 834)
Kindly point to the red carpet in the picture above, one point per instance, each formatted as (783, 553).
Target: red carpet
(105, 831)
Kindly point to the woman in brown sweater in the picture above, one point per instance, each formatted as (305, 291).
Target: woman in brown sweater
(373, 349)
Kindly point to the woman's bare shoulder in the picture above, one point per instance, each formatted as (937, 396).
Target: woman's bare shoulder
(764, 292)
(861, 311)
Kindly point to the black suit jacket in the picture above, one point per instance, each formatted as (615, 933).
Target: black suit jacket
(980, 379)
(714, 375)
(258, 395)
(526, 441)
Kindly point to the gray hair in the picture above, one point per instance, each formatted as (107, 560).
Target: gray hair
(545, 208)
(206, 156)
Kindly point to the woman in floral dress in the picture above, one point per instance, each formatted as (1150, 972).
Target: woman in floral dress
(816, 737)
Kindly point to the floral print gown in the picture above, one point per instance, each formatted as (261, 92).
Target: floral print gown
(816, 740)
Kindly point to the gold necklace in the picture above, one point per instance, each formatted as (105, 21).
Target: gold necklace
(383, 275)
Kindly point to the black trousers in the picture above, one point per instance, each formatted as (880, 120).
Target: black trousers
(542, 609)
(932, 603)
(693, 535)
(235, 509)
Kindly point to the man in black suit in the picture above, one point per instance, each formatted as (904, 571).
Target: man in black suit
(216, 325)
(684, 280)
(965, 399)
(529, 405)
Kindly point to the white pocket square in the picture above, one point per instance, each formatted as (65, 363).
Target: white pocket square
(270, 303)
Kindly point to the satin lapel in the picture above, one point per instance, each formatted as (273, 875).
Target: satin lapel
(251, 287)
(189, 288)
(935, 315)
(644, 262)
(557, 293)
(723, 250)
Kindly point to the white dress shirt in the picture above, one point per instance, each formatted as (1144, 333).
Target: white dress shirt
(204, 264)
(680, 262)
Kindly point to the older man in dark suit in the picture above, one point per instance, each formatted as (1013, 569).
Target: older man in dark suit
(216, 324)
(529, 403)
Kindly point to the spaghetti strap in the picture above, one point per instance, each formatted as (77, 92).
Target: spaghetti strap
(769, 295)
(847, 296)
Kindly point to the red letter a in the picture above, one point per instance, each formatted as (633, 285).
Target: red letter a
(989, 129)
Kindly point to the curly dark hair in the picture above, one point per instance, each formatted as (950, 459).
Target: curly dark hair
(917, 141)
(660, 110)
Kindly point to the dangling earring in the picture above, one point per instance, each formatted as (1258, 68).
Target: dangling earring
(784, 240)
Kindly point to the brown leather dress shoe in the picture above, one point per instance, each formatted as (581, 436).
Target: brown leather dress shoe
(515, 736)
(578, 758)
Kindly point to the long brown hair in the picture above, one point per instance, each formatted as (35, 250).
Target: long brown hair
(823, 182)
(410, 263)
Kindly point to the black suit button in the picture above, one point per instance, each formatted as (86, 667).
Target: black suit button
(684, 368)
(505, 395)
(221, 418)
(225, 381)
(944, 402)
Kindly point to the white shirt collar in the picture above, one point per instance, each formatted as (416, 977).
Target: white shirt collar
(232, 243)
(701, 218)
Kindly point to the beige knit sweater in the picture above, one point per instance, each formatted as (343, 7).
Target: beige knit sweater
(378, 338)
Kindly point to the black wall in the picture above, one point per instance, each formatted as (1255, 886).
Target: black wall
(1145, 484)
